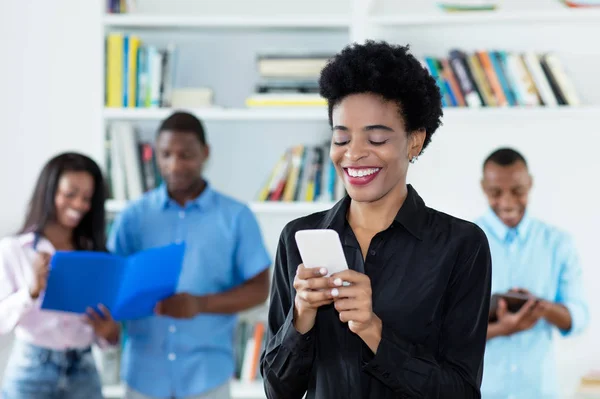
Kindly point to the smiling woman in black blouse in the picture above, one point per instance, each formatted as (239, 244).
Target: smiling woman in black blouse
(413, 322)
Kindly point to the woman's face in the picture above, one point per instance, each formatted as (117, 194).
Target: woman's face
(73, 198)
(370, 147)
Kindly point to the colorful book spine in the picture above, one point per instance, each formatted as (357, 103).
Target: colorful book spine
(501, 78)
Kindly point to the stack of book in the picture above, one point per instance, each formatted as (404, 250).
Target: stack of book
(288, 79)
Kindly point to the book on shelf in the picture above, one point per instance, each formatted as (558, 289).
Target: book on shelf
(499, 78)
(120, 6)
(303, 173)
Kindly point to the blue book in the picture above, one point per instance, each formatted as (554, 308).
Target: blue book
(128, 286)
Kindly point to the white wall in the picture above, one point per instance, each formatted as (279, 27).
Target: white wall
(51, 95)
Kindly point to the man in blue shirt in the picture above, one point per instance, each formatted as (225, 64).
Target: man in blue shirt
(535, 258)
(186, 350)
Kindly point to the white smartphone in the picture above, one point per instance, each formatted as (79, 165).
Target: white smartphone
(321, 248)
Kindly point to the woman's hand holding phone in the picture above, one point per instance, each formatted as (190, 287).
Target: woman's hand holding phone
(312, 292)
(353, 301)
(41, 269)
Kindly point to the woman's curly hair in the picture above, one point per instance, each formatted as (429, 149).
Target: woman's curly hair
(391, 72)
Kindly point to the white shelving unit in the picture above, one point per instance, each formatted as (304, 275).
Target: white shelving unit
(254, 138)
(260, 21)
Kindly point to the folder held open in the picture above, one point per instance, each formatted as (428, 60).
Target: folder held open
(128, 286)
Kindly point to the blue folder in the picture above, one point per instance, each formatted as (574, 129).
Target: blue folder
(128, 286)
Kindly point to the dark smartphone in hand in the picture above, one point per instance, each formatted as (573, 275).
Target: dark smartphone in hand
(514, 302)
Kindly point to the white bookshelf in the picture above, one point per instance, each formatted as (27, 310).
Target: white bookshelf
(260, 21)
(466, 136)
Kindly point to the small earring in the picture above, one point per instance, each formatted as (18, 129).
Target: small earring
(413, 159)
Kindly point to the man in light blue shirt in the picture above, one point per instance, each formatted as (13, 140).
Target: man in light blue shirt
(535, 258)
(186, 350)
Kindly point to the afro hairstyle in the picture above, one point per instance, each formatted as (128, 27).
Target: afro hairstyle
(391, 72)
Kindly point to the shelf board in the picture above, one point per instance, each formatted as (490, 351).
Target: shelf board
(320, 114)
(132, 21)
(221, 114)
(248, 390)
(504, 113)
(486, 17)
(291, 208)
(114, 206)
(113, 391)
(559, 109)
(242, 390)
(268, 208)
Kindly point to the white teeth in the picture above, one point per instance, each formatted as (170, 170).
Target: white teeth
(72, 213)
(362, 172)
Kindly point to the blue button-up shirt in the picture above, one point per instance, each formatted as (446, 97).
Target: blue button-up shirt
(543, 260)
(166, 357)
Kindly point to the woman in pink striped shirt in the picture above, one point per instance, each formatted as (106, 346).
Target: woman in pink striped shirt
(51, 357)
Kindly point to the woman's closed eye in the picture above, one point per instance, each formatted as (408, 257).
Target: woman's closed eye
(377, 142)
(340, 142)
(341, 138)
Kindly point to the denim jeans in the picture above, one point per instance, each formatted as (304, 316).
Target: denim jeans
(38, 373)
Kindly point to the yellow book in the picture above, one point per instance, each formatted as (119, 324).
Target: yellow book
(310, 191)
(481, 81)
(271, 183)
(114, 70)
(134, 45)
(292, 182)
(285, 100)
